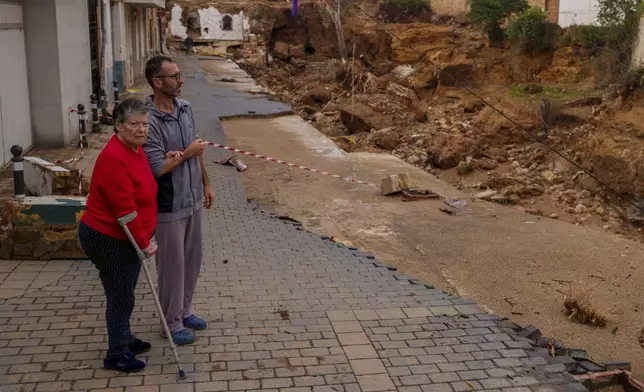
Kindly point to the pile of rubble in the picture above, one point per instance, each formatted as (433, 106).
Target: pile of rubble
(369, 103)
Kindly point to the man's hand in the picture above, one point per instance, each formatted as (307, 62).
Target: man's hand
(195, 149)
(209, 197)
(176, 155)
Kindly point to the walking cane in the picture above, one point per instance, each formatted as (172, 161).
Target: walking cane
(124, 220)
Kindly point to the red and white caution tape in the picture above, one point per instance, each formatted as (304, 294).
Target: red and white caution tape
(258, 156)
(80, 183)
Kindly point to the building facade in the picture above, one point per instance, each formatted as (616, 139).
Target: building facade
(209, 24)
(44, 71)
(56, 53)
(137, 35)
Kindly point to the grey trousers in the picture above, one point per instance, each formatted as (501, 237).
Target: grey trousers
(178, 265)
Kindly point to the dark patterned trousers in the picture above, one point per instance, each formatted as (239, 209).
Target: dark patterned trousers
(119, 268)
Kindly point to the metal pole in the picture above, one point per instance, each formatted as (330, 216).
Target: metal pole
(115, 88)
(82, 125)
(123, 221)
(105, 119)
(96, 126)
(18, 172)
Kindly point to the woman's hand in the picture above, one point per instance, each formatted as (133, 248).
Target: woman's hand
(176, 155)
(151, 249)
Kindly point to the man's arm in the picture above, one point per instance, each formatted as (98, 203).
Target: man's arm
(156, 154)
(204, 174)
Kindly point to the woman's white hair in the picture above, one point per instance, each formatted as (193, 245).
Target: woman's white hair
(128, 108)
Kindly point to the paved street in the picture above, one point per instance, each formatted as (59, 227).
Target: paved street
(289, 311)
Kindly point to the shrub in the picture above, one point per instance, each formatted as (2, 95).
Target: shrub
(532, 31)
(490, 13)
(590, 37)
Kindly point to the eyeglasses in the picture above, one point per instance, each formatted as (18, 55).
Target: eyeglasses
(177, 76)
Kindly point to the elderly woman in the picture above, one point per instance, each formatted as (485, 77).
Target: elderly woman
(122, 182)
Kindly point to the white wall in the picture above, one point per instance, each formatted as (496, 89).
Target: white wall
(211, 19)
(59, 69)
(577, 12)
(176, 28)
(43, 70)
(74, 58)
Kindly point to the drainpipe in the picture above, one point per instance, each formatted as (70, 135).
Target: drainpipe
(108, 49)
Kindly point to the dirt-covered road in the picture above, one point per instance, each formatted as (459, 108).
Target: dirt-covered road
(518, 265)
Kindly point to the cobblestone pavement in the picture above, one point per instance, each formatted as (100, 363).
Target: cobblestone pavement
(288, 311)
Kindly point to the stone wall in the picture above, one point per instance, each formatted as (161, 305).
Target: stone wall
(42, 228)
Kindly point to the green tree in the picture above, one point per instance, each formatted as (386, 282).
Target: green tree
(489, 14)
(620, 20)
(532, 31)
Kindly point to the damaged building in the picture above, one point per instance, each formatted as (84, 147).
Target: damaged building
(208, 24)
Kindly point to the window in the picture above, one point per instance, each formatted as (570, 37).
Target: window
(227, 23)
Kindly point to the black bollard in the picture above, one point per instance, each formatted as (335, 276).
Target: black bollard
(18, 172)
(82, 126)
(105, 118)
(115, 88)
(96, 125)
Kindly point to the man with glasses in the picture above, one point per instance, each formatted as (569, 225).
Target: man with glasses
(174, 152)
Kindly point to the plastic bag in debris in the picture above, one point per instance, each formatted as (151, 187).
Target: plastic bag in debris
(455, 203)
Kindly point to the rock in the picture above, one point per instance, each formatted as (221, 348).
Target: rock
(454, 74)
(635, 212)
(447, 150)
(297, 51)
(281, 51)
(622, 139)
(403, 71)
(394, 184)
(580, 209)
(316, 97)
(387, 139)
(358, 118)
(403, 92)
(549, 176)
(528, 190)
(420, 112)
(485, 164)
(553, 216)
(382, 68)
(600, 211)
(486, 195)
(473, 105)
(534, 211)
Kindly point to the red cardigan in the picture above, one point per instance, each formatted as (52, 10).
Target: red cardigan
(122, 182)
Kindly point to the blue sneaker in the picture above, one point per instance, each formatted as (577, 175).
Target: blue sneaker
(183, 337)
(126, 363)
(194, 322)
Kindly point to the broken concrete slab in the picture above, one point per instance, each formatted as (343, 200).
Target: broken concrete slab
(42, 177)
(394, 184)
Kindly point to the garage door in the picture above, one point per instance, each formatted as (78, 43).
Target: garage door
(15, 121)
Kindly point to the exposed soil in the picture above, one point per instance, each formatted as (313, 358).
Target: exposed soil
(389, 99)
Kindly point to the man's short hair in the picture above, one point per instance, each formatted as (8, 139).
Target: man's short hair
(154, 67)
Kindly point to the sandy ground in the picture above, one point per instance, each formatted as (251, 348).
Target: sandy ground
(517, 265)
